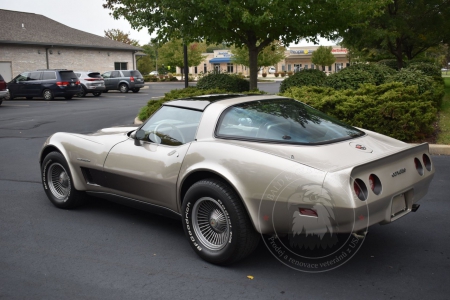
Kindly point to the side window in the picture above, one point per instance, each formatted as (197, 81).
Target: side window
(115, 74)
(78, 74)
(49, 76)
(34, 76)
(172, 126)
(106, 75)
(23, 77)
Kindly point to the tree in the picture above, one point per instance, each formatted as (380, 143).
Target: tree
(322, 56)
(269, 56)
(171, 54)
(120, 36)
(406, 28)
(254, 24)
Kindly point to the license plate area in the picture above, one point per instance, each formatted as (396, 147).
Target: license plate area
(401, 204)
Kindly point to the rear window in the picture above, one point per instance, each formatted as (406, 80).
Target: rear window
(67, 75)
(133, 73)
(94, 75)
(283, 121)
(49, 76)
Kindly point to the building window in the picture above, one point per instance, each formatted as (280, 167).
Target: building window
(312, 66)
(229, 68)
(120, 66)
(339, 67)
(347, 65)
(195, 70)
(205, 70)
(289, 68)
(329, 68)
(306, 67)
(283, 68)
(323, 68)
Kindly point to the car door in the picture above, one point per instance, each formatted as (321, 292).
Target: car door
(107, 78)
(115, 79)
(17, 85)
(148, 169)
(33, 84)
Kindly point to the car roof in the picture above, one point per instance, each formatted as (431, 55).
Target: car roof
(200, 102)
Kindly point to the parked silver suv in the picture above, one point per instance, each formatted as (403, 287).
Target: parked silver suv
(91, 82)
(123, 80)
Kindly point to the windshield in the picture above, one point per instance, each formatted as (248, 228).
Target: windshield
(283, 121)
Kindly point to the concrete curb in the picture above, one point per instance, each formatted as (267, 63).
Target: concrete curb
(434, 148)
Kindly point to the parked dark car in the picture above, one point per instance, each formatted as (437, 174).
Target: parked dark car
(3, 89)
(123, 80)
(91, 82)
(45, 83)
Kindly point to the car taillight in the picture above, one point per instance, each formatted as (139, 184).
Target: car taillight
(375, 184)
(308, 212)
(132, 79)
(427, 162)
(419, 166)
(62, 83)
(93, 79)
(360, 189)
(77, 83)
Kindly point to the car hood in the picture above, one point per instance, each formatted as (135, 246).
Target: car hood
(335, 156)
(108, 136)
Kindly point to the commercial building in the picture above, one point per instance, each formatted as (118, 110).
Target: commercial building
(30, 41)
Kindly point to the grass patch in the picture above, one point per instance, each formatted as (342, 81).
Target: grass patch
(444, 116)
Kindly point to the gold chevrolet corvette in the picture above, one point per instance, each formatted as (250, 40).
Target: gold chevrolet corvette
(236, 167)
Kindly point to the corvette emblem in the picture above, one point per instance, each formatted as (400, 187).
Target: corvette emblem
(361, 147)
(399, 172)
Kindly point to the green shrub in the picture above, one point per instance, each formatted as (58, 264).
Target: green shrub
(228, 82)
(427, 68)
(303, 78)
(392, 109)
(432, 87)
(153, 105)
(392, 63)
(379, 71)
(148, 78)
(349, 79)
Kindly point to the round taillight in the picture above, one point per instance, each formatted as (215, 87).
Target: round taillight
(419, 166)
(360, 189)
(375, 184)
(427, 162)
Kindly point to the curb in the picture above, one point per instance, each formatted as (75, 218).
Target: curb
(435, 149)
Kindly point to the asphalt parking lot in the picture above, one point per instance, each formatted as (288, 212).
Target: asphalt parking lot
(107, 251)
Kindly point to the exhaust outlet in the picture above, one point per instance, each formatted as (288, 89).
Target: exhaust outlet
(415, 207)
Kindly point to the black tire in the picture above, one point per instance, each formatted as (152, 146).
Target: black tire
(68, 97)
(29, 98)
(236, 235)
(59, 185)
(1, 101)
(136, 90)
(82, 92)
(96, 94)
(48, 95)
(9, 96)
(123, 88)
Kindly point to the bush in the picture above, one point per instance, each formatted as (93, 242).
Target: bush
(283, 73)
(290, 73)
(228, 82)
(427, 68)
(349, 79)
(303, 78)
(392, 109)
(148, 78)
(153, 105)
(276, 74)
(432, 87)
(379, 71)
(392, 63)
(264, 74)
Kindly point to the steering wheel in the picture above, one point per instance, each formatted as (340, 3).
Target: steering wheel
(173, 127)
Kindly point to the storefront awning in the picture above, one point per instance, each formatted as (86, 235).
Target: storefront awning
(219, 60)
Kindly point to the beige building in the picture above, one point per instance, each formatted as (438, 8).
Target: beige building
(296, 58)
(29, 41)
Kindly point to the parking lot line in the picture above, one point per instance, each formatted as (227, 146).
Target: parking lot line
(14, 105)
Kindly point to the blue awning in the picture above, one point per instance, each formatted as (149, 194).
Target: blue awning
(219, 60)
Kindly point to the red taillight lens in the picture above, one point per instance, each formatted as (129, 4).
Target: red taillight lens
(308, 212)
(419, 167)
(62, 83)
(375, 184)
(360, 189)
(93, 79)
(427, 162)
(77, 83)
(132, 79)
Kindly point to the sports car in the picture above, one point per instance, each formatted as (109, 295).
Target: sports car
(235, 167)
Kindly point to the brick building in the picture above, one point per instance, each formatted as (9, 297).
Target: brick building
(29, 41)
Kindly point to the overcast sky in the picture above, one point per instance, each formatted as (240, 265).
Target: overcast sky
(85, 15)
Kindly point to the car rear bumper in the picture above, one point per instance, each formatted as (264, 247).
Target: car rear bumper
(3, 94)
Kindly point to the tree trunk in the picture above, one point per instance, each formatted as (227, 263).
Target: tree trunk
(399, 53)
(253, 62)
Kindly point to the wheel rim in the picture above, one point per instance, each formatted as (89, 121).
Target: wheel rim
(210, 223)
(58, 181)
(47, 95)
(123, 88)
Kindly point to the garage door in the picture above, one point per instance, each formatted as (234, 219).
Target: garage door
(5, 70)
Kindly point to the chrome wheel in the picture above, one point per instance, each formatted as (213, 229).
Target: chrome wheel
(48, 95)
(123, 88)
(58, 181)
(210, 223)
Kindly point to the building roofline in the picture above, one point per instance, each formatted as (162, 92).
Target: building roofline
(69, 45)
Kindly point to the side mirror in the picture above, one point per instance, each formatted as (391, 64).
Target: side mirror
(138, 136)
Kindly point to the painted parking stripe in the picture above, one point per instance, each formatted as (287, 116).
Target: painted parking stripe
(14, 105)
